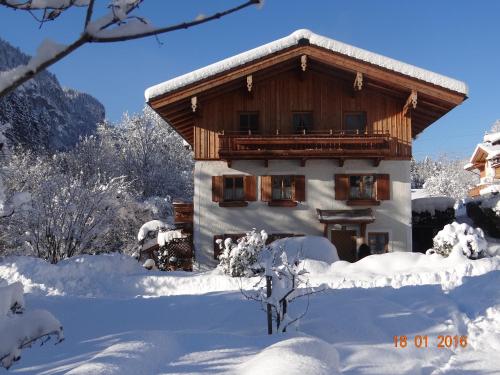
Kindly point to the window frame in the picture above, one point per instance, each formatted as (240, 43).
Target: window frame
(304, 130)
(379, 233)
(351, 113)
(248, 130)
(292, 187)
(362, 197)
(233, 177)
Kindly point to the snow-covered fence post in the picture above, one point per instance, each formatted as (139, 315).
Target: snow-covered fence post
(269, 307)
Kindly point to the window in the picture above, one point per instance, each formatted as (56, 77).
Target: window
(249, 122)
(361, 187)
(233, 188)
(282, 188)
(302, 122)
(378, 242)
(355, 122)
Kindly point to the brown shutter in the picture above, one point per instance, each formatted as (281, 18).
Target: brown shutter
(341, 187)
(217, 187)
(300, 188)
(383, 187)
(265, 188)
(250, 187)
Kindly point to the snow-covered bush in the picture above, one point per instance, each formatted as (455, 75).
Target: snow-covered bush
(240, 258)
(20, 329)
(460, 238)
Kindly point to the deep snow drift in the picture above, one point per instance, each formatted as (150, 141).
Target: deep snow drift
(200, 323)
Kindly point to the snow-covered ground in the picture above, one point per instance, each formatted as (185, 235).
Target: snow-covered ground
(121, 319)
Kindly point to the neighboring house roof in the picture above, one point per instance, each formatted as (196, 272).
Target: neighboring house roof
(487, 150)
(315, 40)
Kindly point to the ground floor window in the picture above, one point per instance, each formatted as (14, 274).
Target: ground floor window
(282, 187)
(233, 188)
(378, 242)
(361, 187)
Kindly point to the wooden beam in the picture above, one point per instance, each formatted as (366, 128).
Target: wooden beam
(411, 103)
(376, 161)
(303, 162)
(358, 82)
(266, 163)
(341, 162)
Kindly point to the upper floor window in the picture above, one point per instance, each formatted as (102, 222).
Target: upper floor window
(302, 122)
(282, 187)
(233, 188)
(355, 122)
(361, 187)
(249, 122)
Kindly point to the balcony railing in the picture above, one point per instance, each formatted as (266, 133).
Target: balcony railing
(333, 144)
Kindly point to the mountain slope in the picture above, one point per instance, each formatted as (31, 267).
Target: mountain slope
(41, 113)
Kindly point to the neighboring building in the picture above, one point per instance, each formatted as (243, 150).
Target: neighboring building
(486, 160)
(304, 135)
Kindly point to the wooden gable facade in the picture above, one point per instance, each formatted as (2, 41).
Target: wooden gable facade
(325, 85)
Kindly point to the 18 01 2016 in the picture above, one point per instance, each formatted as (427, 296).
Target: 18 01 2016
(423, 341)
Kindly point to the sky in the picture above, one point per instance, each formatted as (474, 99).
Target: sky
(457, 38)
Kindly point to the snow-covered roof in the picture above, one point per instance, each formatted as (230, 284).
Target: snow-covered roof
(492, 137)
(315, 40)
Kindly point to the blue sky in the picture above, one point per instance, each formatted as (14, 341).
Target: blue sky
(457, 38)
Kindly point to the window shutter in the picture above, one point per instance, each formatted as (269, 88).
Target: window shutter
(341, 187)
(217, 186)
(250, 186)
(265, 188)
(383, 187)
(300, 188)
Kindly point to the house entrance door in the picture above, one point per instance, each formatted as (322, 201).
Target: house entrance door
(345, 242)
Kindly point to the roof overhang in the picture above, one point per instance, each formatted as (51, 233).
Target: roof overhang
(437, 94)
(359, 216)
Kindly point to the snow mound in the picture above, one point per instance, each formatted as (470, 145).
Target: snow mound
(400, 269)
(10, 296)
(316, 40)
(295, 356)
(308, 247)
(86, 275)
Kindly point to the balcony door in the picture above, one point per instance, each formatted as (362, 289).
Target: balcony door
(345, 242)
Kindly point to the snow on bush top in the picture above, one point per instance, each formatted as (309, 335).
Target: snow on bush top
(308, 247)
(151, 226)
(432, 204)
(461, 238)
(316, 40)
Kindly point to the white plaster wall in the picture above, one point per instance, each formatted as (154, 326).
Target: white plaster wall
(393, 216)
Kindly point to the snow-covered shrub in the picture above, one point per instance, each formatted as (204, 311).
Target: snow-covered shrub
(240, 258)
(460, 238)
(19, 329)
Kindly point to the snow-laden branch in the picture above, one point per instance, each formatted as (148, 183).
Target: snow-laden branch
(117, 25)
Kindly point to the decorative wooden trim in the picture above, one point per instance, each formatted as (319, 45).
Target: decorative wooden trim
(282, 203)
(303, 63)
(194, 103)
(362, 202)
(358, 82)
(249, 83)
(233, 204)
(411, 103)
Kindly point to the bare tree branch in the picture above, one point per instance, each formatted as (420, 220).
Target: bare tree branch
(89, 37)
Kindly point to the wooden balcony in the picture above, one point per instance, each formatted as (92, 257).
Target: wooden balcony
(316, 145)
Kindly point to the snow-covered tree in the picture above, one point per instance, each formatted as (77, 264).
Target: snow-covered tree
(118, 21)
(495, 128)
(442, 177)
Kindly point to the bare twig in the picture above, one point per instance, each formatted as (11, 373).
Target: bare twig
(87, 37)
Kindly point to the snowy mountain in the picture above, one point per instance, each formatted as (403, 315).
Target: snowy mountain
(41, 113)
